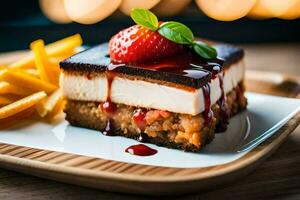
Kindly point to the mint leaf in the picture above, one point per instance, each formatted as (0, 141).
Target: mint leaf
(144, 18)
(176, 32)
(173, 31)
(204, 50)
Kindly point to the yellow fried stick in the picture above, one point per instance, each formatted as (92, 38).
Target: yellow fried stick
(17, 118)
(8, 98)
(7, 88)
(40, 59)
(24, 80)
(60, 47)
(54, 72)
(48, 71)
(22, 104)
(57, 59)
(3, 67)
(5, 101)
(57, 109)
(32, 72)
(47, 105)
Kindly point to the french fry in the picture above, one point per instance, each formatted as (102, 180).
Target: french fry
(7, 88)
(49, 71)
(5, 101)
(62, 46)
(4, 87)
(25, 63)
(3, 67)
(32, 72)
(22, 104)
(34, 77)
(11, 97)
(57, 109)
(2, 71)
(54, 72)
(27, 81)
(8, 98)
(64, 55)
(47, 105)
(40, 59)
(57, 59)
(54, 49)
(17, 118)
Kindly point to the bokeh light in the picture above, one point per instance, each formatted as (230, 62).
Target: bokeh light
(93, 11)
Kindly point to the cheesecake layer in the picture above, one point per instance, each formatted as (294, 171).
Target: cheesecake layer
(141, 93)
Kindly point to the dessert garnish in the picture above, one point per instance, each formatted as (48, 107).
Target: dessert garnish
(152, 40)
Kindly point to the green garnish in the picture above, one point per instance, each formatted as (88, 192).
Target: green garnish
(144, 18)
(204, 50)
(174, 31)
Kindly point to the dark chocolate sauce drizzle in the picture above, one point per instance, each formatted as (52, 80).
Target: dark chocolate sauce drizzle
(187, 64)
(222, 125)
(207, 113)
(141, 150)
(108, 106)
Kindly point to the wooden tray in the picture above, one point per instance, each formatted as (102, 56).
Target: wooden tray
(152, 180)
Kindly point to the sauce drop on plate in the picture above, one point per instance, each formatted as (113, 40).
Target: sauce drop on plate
(140, 150)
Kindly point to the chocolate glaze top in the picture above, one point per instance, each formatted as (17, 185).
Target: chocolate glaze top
(185, 69)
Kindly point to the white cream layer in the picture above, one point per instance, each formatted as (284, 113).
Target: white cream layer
(149, 95)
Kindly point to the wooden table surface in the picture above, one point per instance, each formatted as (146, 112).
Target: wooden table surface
(276, 178)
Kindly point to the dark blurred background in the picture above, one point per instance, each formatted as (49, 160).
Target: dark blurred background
(23, 21)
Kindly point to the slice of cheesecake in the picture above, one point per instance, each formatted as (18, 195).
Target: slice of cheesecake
(177, 102)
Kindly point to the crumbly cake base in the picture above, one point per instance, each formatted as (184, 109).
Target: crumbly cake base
(172, 130)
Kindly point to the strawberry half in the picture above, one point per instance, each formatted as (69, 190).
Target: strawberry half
(137, 44)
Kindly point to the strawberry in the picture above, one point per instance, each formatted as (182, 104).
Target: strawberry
(138, 44)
